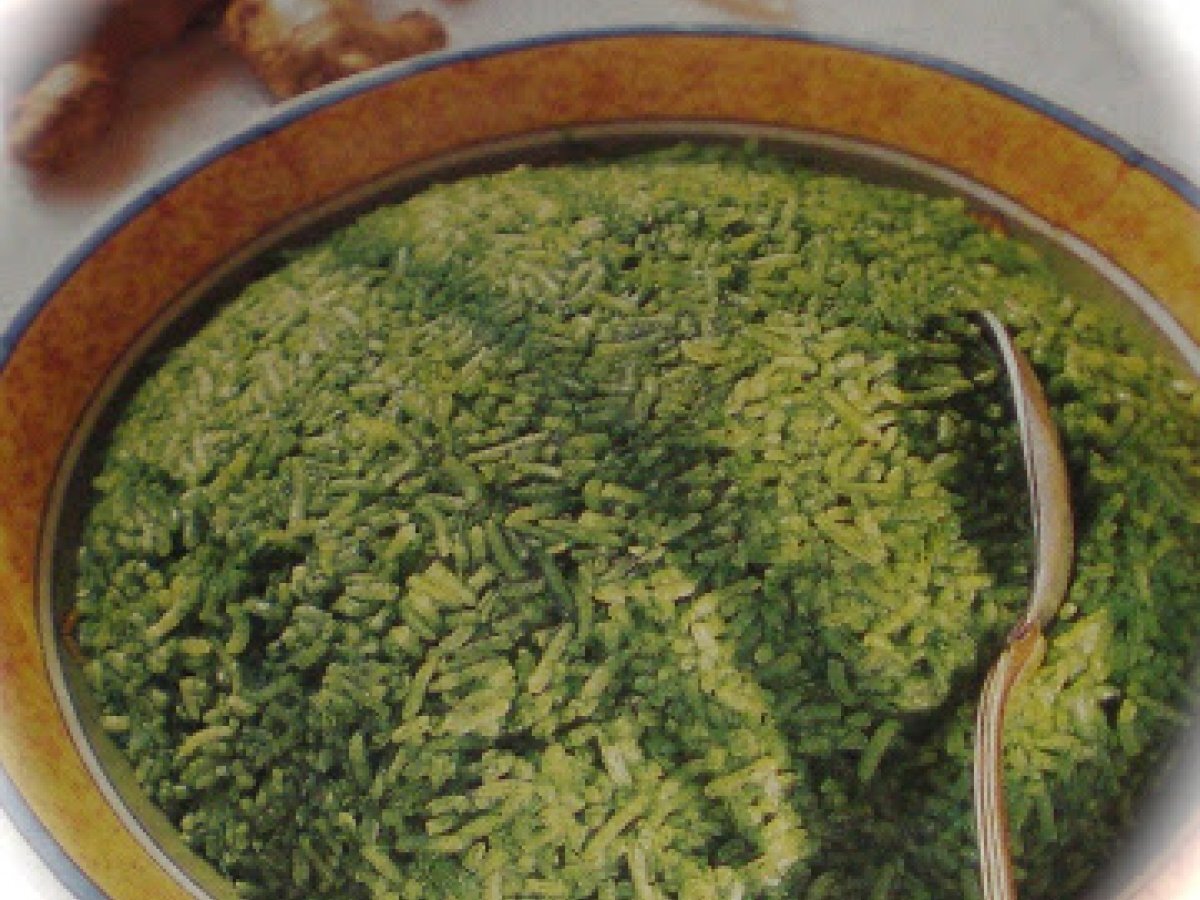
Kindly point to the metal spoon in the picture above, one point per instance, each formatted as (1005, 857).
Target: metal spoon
(1050, 502)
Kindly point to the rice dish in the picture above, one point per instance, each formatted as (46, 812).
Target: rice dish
(637, 528)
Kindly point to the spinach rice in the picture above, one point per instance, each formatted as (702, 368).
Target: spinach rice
(635, 529)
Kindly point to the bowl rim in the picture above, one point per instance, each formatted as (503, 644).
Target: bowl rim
(278, 117)
(156, 185)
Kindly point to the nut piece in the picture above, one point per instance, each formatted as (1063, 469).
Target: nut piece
(74, 103)
(297, 45)
(64, 114)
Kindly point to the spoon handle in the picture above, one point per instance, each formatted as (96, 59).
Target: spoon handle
(1022, 654)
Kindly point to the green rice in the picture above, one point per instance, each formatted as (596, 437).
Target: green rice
(635, 529)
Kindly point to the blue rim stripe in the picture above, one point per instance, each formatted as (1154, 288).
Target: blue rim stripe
(42, 842)
(26, 821)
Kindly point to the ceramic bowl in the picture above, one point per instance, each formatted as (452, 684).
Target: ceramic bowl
(1117, 224)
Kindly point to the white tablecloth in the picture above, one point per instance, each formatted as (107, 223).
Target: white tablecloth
(1129, 66)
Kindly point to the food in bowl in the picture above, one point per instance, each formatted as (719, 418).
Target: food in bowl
(634, 528)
